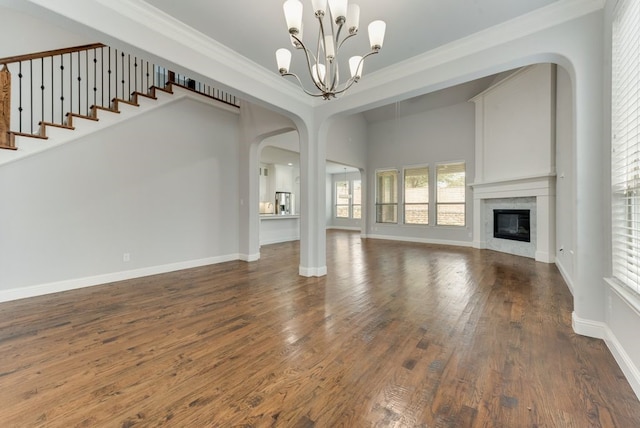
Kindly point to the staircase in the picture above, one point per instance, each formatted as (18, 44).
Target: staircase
(65, 94)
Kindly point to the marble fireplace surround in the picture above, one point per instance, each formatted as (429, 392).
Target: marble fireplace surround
(499, 193)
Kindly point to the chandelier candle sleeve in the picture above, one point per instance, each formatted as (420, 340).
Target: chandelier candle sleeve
(323, 62)
(293, 15)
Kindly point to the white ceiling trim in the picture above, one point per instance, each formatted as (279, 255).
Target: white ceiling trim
(536, 21)
(223, 65)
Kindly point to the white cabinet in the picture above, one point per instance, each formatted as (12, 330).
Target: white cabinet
(284, 178)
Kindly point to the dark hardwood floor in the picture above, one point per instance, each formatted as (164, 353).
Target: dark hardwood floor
(396, 335)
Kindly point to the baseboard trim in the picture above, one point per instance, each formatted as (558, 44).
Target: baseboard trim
(249, 257)
(312, 271)
(565, 276)
(355, 229)
(631, 372)
(422, 240)
(588, 328)
(73, 284)
(279, 240)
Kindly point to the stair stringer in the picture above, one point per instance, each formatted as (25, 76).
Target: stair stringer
(57, 136)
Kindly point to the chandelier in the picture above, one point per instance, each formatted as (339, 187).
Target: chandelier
(343, 20)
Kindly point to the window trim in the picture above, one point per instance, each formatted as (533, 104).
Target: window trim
(463, 203)
(404, 196)
(381, 204)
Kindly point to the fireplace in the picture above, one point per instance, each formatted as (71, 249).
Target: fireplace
(512, 224)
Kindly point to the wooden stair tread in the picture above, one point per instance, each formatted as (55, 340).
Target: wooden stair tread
(109, 109)
(57, 125)
(158, 88)
(24, 134)
(142, 94)
(82, 116)
(120, 100)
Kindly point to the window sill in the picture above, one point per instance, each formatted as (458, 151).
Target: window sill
(628, 296)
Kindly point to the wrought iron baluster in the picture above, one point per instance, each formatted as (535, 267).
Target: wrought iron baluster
(122, 64)
(42, 88)
(20, 96)
(70, 85)
(61, 88)
(31, 94)
(95, 79)
(116, 74)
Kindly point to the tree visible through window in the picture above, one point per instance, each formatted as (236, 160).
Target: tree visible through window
(450, 194)
(416, 195)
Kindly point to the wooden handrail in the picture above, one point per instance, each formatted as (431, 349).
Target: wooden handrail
(44, 54)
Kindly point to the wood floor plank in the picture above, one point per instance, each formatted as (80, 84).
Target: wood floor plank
(396, 335)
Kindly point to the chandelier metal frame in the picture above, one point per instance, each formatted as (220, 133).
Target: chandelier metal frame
(323, 66)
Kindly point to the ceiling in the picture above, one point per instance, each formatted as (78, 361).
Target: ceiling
(256, 29)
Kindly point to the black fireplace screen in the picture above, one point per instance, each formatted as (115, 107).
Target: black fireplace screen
(511, 224)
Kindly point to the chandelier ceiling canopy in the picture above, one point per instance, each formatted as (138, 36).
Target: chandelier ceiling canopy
(323, 65)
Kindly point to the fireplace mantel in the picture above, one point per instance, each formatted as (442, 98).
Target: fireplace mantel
(542, 187)
(520, 187)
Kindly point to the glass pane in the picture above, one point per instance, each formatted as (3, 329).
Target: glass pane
(416, 185)
(387, 213)
(451, 183)
(450, 215)
(357, 192)
(416, 214)
(357, 211)
(342, 193)
(342, 211)
(386, 187)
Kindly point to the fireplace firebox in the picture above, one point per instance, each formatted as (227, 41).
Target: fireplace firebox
(512, 224)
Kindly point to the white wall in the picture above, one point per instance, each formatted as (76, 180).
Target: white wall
(157, 187)
(441, 135)
(347, 140)
(29, 41)
(516, 126)
(565, 208)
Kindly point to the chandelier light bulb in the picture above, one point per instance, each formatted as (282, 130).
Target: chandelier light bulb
(353, 18)
(283, 58)
(318, 72)
(329, 48)
(338, 10)
(319, 7)
(376, 34)
(355, 65)
(293, 15)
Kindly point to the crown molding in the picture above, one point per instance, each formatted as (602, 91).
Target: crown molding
(536, 21)
(199, 53)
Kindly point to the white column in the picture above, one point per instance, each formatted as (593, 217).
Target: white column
(312, 204)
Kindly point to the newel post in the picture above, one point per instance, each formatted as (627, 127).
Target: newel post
(5, 108)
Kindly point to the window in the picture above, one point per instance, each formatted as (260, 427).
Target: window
(387, 196)
(416, 195)
(450, 194)
(348, 203)
(625, 144)
(356, 200)
(342, 199)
